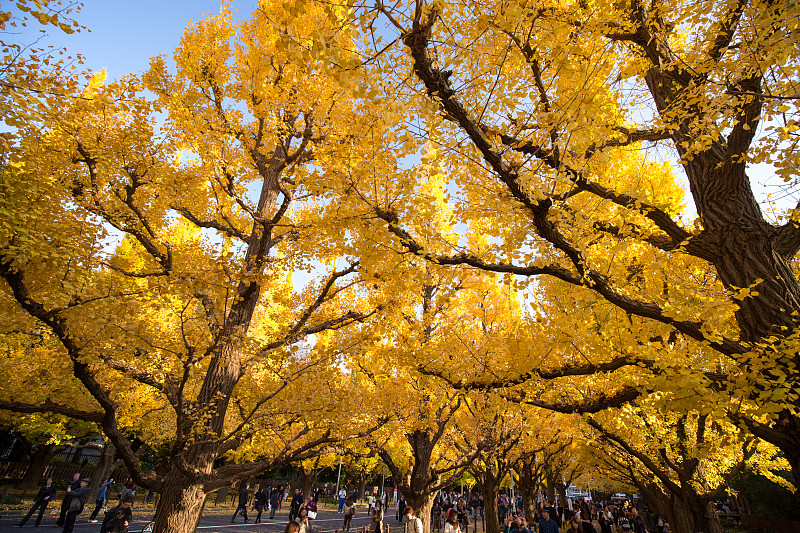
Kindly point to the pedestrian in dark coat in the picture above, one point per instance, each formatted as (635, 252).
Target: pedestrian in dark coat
(76, 503)
(244, 496)
(46, 494)
(119, 518)
(259, 500)
(74, 484)
(637, 522)
(547, 524)
(297, 503)
(274, 501)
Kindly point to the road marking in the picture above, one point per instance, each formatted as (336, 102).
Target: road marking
(278, 523)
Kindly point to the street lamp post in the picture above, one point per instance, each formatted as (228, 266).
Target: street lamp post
(338, 476)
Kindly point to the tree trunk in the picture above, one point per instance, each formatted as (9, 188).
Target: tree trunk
(561, 490)
(489, 482)
(491, 514)
(39, 461)
(746, 250)
(551, 492)
(656, 498)
(688, 514)
(78, 455)
(180, 505)
(102, 470)
(362, 486)
(307, 479)
(527, 488)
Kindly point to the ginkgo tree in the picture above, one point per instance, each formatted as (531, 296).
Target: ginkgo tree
(680, 462)
(160, 259)
(536, 108)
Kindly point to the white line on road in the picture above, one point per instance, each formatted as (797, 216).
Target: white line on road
(278, 523)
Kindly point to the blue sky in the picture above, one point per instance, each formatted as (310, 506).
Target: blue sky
(122, 36)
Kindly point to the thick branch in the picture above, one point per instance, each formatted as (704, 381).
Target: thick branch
(592, 280)
(564, 371)
(594, 404)
(50, 407)
(211, 224)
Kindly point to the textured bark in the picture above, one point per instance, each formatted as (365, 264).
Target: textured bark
(422, 505)
(489, 480)
(551, 490)
(420, 485)
(491, 514)
(180, 505)
(655, 497)
(686, 510)
(307, 479)
(362, 486)
(743, 247)
(102, 470)
(692, 515)
(39, 461)
(561, 490)
(78, 455)
(527, 487)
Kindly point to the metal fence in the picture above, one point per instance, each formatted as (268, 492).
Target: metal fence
(57, 472)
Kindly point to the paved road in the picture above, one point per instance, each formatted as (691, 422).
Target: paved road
(214, 520)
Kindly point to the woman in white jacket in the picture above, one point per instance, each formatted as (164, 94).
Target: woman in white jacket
(451, 526)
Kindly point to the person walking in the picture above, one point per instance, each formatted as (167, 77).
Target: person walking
(436, 511)
(74, 484)
(401, 505)
(342, 498)
(585, 515)
(274, 501)
(413, 524)
(463, 516)
(76, 503)
(46, 494)
(302, 520)
(606, 521)
(244, 496)
(297, 503)
(451, 523)
(349, 513)
(377, 517)
(128, 490)
(547, 524)
(259, 500)
(636, 521)
(101, 499)
(119, 518)
(311, 509)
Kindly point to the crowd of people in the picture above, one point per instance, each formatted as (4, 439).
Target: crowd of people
(451, 512)
(115, 519)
